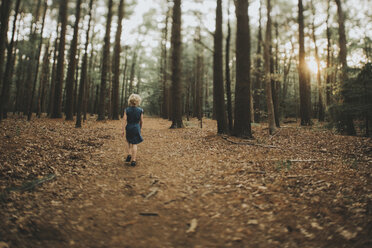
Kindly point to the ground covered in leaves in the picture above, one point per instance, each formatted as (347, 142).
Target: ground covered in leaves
(67, 187)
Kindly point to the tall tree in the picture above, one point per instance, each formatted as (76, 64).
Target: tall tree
(350, 129)
(321, 113)
(37, 64)
(227, 70)
(53, 76)
(242, 123)
(257, 86)
(105, 64)
(8, 68)
(267, 64)
(176, 66)
(43, 82)
(304, 82)
(218, 89)
(328, 76)
(116, 65)
(4, 19)
(83, 77)
(57, 105)
(70, 79)
(165, 88)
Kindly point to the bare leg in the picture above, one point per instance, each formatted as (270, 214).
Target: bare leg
(129, 149)
(134, 152)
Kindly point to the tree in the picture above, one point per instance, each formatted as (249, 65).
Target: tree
(267, 62)
(321, 113)
(242, 123)
(84, 66)
(116, 65)
(227, 70)
(70, 79)
(8, 69)
(176, 66)
(257, 84)
(304, 83)
(37, 64)
(218, 89)
(164, 67)
(4, 19)
(43, 82)
(343, 60)
(105, 64)
(57, 105)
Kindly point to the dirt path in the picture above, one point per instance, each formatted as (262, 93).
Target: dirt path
(191, 188)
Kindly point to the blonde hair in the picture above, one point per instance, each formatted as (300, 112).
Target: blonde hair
(134, 100)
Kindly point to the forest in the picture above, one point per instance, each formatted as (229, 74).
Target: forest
(257, 123)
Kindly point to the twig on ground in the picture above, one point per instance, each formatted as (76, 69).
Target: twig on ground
(249, 144)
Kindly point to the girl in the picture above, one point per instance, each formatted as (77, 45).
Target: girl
(133, 120)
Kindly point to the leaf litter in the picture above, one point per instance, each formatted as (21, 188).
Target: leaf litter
(299, 187)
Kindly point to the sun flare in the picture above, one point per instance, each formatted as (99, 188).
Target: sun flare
(312, 65)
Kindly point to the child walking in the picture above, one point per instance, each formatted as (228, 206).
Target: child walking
(133, 120)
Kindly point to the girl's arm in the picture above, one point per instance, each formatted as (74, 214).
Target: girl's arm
(141, 120)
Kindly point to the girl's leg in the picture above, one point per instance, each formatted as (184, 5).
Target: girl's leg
(134, 154)
(129, 149)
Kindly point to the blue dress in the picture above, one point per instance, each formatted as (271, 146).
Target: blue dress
(133, 129)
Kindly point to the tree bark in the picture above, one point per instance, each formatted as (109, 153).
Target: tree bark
(57, 105)
(116, 65)
(267, 64)
(105, 64)
(72, 67)
(84, 66)
(43, 82)
(176, 66)
(305, 101)
(4, 19)
(321, 114)
(257, 87)
(165, 87)
(242, 123)
(5, 93)
(30, 109)
(218, 88)
(227, 71)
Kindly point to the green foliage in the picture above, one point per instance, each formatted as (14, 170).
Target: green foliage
(285, 164)
(356, 103)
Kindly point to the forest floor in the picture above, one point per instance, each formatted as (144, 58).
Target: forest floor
(67, 187)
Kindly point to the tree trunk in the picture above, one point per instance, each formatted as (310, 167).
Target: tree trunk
(105, 64)
(305, 101)
(242, 123)
(267, 64)
(84, 66)
(4, 19)
(350, 129)
(37, 64)
(5, 93)
(176, 66)
(227, 70)
(132, 73)
(257, 87)
(218, 88)
(43, 81)
(72, 67)
(275, 86)
(123, 87)
(321, 113)
(52, 79)
(165, 96)
(116, 65)
(57, 105)
(328, 77)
